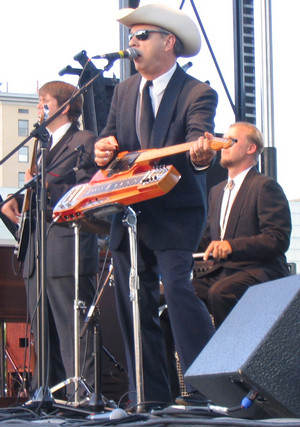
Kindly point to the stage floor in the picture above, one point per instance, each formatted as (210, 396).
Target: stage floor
(56, 414)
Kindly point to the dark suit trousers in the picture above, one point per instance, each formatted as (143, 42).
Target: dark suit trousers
(222, 289)
(190, 320)
(59, 328)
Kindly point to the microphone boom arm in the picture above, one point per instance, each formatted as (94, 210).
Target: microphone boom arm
(40, 128)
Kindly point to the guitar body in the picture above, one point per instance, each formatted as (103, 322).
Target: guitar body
(22, 237)
(24, 224)
(103, 196)
(130, 178)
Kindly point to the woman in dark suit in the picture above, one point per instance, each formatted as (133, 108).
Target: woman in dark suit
(60, 244)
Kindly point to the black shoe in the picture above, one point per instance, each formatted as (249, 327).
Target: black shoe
(192, 399)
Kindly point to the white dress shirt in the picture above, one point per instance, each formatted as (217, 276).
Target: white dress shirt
(59, 133)
(227, 204)
(156, 91)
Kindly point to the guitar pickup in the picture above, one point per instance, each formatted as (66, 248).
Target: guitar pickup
(155, 175)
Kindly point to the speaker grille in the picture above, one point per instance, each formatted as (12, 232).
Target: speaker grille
(256, 347)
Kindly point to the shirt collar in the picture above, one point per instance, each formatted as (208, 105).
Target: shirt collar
(161, 82)
(59, 133)
(238, 180)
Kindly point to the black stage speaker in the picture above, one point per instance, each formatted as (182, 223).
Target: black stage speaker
(256, 348)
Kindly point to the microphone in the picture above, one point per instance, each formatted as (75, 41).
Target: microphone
(115, 414)
(129, 53)
(186, 66)
(85, 159)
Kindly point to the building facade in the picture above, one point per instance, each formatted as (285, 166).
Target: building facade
(18, 114)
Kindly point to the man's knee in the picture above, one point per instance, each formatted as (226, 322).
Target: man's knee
(215, 295)
(220, 303)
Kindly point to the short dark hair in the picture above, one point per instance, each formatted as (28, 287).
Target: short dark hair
(178, 48)
(63, 91)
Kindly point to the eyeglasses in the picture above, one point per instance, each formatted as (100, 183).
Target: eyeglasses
(145, 34)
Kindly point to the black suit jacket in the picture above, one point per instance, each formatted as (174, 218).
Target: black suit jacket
(187, 110)
(60, 239)
(258, 228)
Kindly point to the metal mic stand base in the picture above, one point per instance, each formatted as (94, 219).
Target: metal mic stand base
(93, 399)
(78, 305)
(97, 400)
(77, 381)
(42, 399)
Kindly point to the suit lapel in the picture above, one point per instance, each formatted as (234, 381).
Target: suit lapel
(128, 110)
(61, 146)
(238, 204)
(166, 109)
(215, 229)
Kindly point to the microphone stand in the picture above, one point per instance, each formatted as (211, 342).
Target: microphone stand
(130, 221)
(97, 400)
(42, 342)
(30, 183)
(42, 394)
(35, 132)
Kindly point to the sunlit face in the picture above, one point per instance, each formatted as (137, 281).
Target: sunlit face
(48, 105)
(152, 58)
(238, 152)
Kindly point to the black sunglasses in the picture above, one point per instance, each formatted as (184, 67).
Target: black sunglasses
(144, 34)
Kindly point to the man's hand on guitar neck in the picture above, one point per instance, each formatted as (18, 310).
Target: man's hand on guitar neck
(105, 150)
(11, 210)
(200, 152)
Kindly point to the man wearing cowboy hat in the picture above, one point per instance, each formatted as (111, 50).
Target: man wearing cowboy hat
(168, 227)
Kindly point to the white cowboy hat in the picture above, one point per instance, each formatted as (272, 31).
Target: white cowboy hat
(174, 20)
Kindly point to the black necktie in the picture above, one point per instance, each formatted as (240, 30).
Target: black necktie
(48, 147)
(49, 143)
(146, 117)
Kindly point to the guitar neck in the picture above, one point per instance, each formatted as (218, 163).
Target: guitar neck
(157, 153)
(26, 200)
(127, 160)
(33, 158)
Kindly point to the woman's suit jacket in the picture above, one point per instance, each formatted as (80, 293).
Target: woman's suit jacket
(258, 228)
(187, 110)
(60, 239)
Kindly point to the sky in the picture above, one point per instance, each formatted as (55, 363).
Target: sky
(39, 41)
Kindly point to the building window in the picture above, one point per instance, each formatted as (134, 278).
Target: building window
(23, 128)
(21, 178)
(23, 111)
(23, 154)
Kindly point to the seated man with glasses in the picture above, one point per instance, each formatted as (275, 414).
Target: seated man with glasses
(169, 227)
(248, 226)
